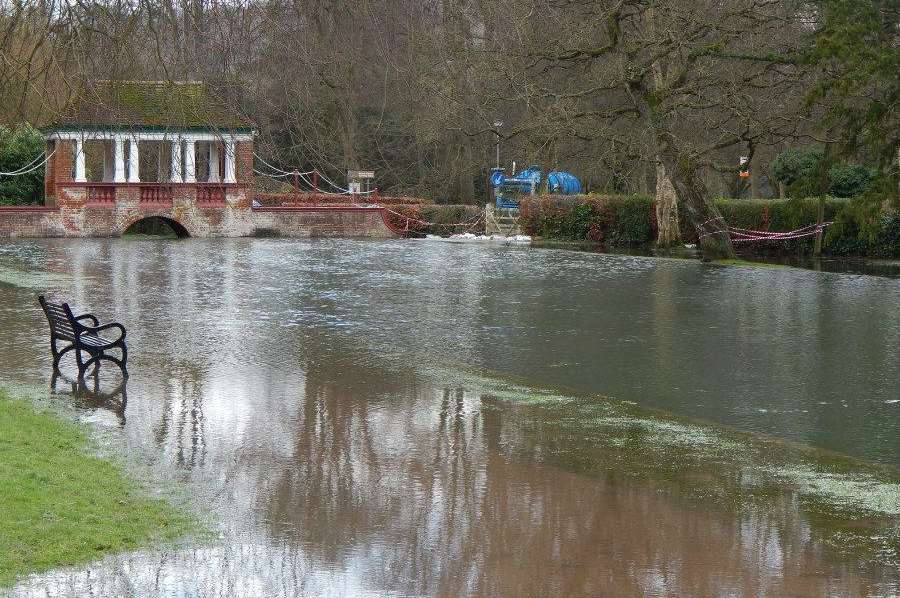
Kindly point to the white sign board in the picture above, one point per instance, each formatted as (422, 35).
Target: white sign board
(360, 174)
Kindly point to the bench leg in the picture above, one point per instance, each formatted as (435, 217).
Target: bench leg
(82, 364)
(54, 352)
(57, 353)
(124, 363)
(58, 357)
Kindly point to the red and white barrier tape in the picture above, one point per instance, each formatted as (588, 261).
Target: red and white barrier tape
(467, 223)
(743, 235)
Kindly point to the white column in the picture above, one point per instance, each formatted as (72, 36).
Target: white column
(107, 162)
(80, 176)
(190, 161)
(119, 159)
(213, 161)
(134, 168)
(229, 160)
(176, 160)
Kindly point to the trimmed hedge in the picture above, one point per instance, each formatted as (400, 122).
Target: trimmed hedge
(845, 237)
(882, 239)
(771, 214)
(631, 220)
(605, 219)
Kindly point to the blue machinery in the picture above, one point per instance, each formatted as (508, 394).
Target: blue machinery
(507, 190)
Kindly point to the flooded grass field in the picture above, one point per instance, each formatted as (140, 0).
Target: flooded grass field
(410, 419)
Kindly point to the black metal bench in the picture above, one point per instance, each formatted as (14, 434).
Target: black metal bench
(69, 328)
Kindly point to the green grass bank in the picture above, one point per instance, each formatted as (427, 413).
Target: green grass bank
(60, 504)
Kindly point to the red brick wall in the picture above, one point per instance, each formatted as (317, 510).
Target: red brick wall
(70, 197)
(75, 219)
(244, 162)
(59, 169)
(239, 198)
(324, 222)
(128, 194)
(22, 221)
(63, 158)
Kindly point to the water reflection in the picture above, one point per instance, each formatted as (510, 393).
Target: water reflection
(88, 393)
(373, 501)
(287, 385)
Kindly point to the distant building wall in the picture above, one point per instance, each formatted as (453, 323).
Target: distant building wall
(77, 217)
(315, 221)
(204, 209)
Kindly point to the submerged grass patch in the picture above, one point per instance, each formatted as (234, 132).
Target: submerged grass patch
(860, 491)
(853, 505)
(61, 505)
(747, 263)
(38, 280)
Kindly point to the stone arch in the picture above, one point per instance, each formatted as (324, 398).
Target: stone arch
(178, 228)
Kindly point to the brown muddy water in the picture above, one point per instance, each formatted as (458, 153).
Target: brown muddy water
(408, 418)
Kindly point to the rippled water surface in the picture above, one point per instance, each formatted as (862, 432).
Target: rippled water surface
(298, 390)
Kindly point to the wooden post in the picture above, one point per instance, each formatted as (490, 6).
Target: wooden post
(820, 219)
(823, 182)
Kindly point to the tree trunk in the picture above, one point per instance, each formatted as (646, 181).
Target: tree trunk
(712, 230)
(754, 179)
(668, 231)
(466, 184)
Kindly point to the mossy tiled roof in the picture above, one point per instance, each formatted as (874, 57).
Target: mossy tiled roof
(153, 105)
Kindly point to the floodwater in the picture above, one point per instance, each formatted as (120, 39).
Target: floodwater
(318, 399)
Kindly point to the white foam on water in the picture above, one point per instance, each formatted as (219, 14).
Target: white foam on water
(473, 238)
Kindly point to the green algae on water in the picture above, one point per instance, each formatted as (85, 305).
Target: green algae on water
(853, 505)
(36, 279)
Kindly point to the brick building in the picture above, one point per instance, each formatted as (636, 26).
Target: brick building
(126, 151)
(148, 141)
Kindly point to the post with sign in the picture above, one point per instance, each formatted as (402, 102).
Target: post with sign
(744, 172)
(355, 179)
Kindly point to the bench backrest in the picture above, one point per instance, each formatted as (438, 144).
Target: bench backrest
(60, 318)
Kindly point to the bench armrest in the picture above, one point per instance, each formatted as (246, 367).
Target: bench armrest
(91, 317)
(98, 329)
